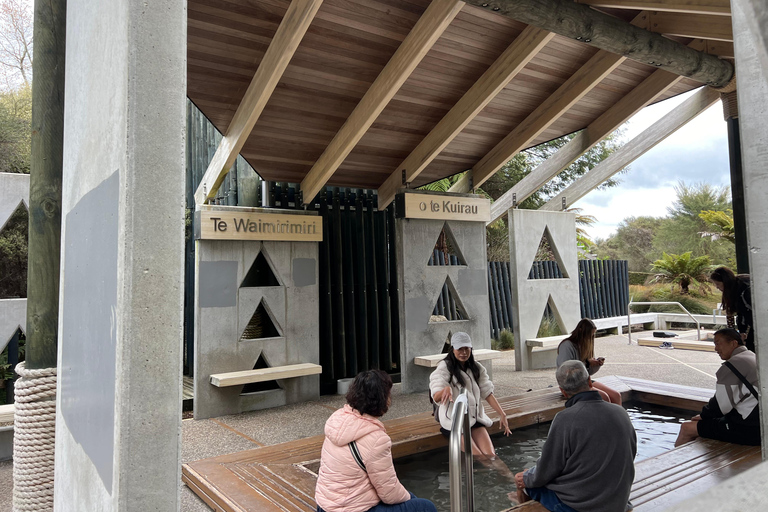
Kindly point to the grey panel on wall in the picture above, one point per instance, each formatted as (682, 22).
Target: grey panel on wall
(89, 335)
(304, 271)
(218, 284)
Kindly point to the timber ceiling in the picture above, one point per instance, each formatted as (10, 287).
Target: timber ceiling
(347, 45)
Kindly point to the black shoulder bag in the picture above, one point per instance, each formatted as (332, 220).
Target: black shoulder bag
(356, 455)
(743, 379)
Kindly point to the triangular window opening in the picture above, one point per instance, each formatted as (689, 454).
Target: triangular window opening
(547, 263)
(255, 387)
(448, 306)
(551, 324)
(446, 250)
(13, 258)
(261, 325)
(260, 274)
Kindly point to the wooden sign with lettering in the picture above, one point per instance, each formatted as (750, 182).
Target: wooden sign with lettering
(242, 224)
(413, 205)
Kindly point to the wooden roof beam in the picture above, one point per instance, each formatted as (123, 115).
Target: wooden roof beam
(713, 7)
(496, 77)
(289, 34)
(581, 22)
(657, 132)
(650, 89)
(414, 47)
(579, 84)
(717, 28)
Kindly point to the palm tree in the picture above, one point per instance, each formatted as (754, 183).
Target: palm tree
(682, 269)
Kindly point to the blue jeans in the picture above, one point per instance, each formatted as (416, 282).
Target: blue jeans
(548, 499)
(413, 505)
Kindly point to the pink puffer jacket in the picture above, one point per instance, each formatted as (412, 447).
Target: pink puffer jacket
(342, 486)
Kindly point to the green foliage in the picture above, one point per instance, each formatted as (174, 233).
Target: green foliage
(665, 293)
(15, 131)
(633, 242)
(13, 255)
(720, 224)
(639, 278)
(506, 341)
(683, 269)
(549, 327)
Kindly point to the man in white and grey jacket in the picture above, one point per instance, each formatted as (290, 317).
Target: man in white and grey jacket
(587, 462)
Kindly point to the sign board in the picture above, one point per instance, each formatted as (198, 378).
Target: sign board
(235, 224)
(444, 207)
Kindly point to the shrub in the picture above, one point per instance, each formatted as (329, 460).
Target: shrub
(666, 294)
(506, 340)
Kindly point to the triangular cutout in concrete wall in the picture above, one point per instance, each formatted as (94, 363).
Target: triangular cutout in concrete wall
(448, 304)
(446, 250)
(551, 322)
(261, 273)
(7, 214)
(261, 325)
(255, 387)
(548, 252)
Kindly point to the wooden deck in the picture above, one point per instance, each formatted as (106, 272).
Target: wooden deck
(282, 477)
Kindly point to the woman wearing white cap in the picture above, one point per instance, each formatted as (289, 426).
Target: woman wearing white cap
(460, 370)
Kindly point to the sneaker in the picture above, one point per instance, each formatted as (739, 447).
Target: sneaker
(666, 344)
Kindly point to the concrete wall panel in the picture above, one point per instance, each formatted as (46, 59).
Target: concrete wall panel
(420, 285)
(530, 296)
(292, 306)
(14, 190)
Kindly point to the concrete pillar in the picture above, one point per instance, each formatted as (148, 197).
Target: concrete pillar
(420, 284)
(752, 78)
(531, 296)
(120, 324)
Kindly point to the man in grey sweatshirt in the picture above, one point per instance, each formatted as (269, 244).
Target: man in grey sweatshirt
(587, 463)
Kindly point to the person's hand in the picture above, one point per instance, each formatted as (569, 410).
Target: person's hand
(696, 418)
(504, 422)
(447, 395)
(595, 362)
(519, 482)
(744, 336)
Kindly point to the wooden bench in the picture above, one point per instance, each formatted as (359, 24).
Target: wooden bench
(265, 374)
(482, 354)
(705, 346)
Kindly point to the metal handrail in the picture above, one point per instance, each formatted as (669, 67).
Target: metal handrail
(629, 319)
(459, 419)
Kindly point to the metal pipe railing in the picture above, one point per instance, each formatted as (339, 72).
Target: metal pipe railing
(629, 318)
(459, 422)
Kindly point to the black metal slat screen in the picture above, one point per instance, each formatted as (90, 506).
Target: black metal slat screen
(603, 289)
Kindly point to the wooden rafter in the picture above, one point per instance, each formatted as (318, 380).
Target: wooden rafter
(714, 7)
(717, 28)
(579, 84)
(414, 47)
(287, 38)
(650, 89)
(660, 130)
(493, 81)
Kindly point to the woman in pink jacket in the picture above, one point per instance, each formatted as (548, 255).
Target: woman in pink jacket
(356, 470)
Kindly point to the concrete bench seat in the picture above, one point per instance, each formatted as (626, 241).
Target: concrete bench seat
(265, 374)
(546, 343)
(482, 354)
(6, 413)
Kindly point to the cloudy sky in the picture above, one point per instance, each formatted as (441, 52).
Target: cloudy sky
(697, 152)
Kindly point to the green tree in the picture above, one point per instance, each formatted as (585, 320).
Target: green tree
(15, 131)
(682, 269)
(720, 225)
(633, 241)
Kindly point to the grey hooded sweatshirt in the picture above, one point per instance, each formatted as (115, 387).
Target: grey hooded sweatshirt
(588, 458)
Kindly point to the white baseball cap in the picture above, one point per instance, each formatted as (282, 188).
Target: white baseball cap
(461, 340)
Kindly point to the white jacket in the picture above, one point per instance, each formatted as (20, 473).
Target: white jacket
(476, 391)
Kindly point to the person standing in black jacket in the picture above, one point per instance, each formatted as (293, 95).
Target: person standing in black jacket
(737, 301)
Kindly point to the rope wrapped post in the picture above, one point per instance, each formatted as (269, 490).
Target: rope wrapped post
(34, 439)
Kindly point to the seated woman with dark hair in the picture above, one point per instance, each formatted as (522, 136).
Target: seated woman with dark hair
(356, 470)
(580, 346)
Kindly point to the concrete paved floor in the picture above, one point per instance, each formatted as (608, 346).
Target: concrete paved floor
(228, 434)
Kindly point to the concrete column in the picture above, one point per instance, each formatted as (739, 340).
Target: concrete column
(752, 79)
(120, 324)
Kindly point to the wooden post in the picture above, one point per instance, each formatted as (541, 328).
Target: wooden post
(580, 22)
(45, 184)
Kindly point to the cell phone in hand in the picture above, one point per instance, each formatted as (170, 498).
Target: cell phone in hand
(601, 359)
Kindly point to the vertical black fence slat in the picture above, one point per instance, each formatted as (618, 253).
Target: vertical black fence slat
(358, 244)
(348, 280)
(495, 285)
(339, 338)
(506, 294)
(372, 292)
(326, 309)
(504, 317)
(491, 305)
(385, 320)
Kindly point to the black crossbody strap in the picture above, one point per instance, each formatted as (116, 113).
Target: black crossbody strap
(743, 379)
(356, 455)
